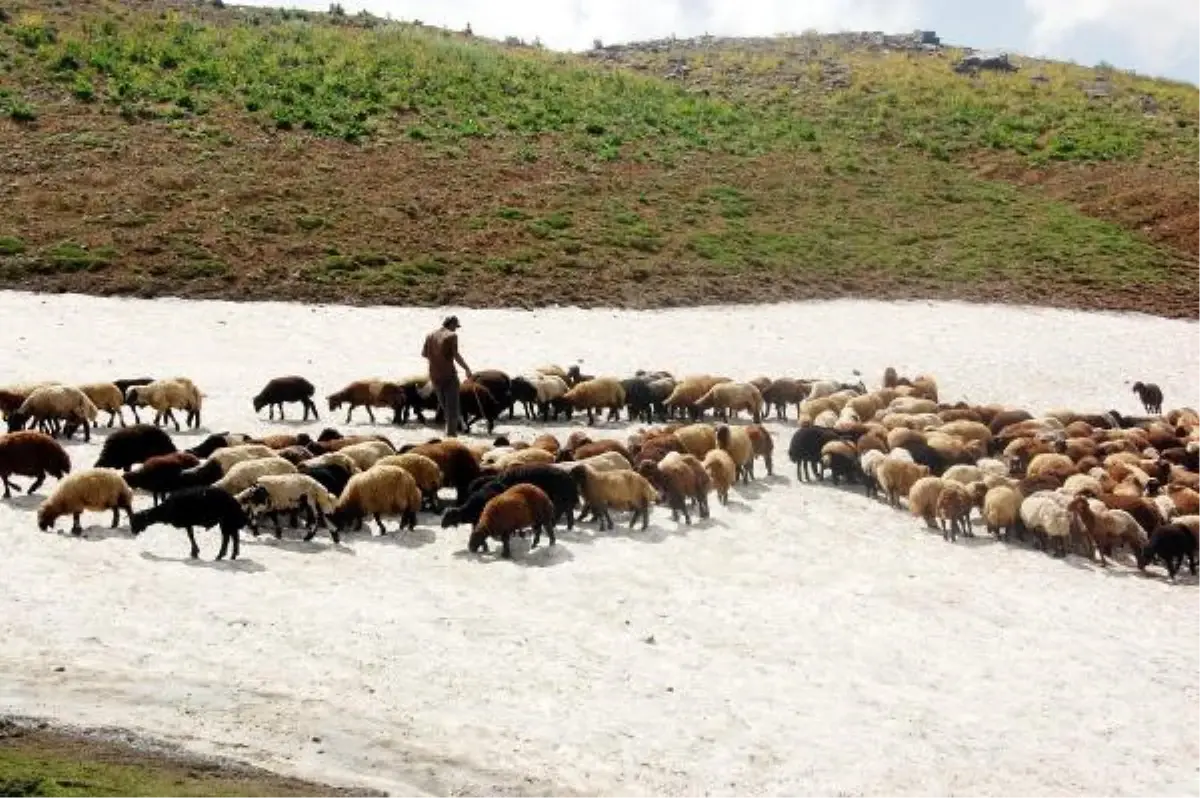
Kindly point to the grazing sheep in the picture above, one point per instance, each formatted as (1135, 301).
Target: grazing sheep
(605, 461)
(1083, 485)
(1001, 510)
(369, 394)
(1171, 543)
(1046, 515)
(477, 402)
(95, 489)
(1150, 395)
(1185, 499)
(498, 386)
(763, 445)
(868, 462)
(687, 392)
(593, 448)
(31, 454)
(1106, 528)
(729, 397)
(546, 442)
(459, 467)
(953, 509)
(244, 474)
(284, 440)
(160, 474)
(697, 439)
(332, 476)
(782, 392)
(896, 477)
(805, 450)
(621, 490)
(219, 440)
(678, 481)
(275, 494)
(166, 396)
(203, 507)
(227, 457)
(108, 397)
(51, 404)
(923, 498)
(737, 443)
(1058, 465)
(842, 460)
(381, 490)
(522, 457)
(468, 512)
(639, 403)
(134, 444)
(425, 471)
(520, 507)
(366, 453)
(282, 390)
(601, 393)
(722, 472)
(558, 485)
(963, 473)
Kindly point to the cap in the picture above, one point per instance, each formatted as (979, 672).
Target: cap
(451, 323)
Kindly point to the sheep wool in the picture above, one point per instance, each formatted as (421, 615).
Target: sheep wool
(243, 475)
(278, 493)
(94, 489)
(382, 490)
(620, 490)
(722, 471)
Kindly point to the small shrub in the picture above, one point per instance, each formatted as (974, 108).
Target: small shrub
(11, 245)
(83, 90)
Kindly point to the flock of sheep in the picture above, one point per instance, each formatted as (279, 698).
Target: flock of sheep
(1092, 483)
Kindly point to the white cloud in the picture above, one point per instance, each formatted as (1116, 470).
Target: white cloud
(573, 24)
(1156, 32)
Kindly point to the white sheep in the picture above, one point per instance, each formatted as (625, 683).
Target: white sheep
(966, 474)
(1077, 484)
(992, 466)
(1045, 514)
(605, 461)
(290, 493)
(95, 489)
(337, 459)
(166, 396)
(244, 474)
(523, 457)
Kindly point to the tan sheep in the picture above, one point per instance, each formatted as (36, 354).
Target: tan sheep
(106, 397)
(1001, 509)
(94, 489)
(1057, 465)
(697, 439)
(619, 490)
(738, 445)
(731, 397)
(367, 453)
(244, 474)
(381, 490)
(51, 404)
(722, 472)
(599, 393)
(923, 498)
(230, 455)
(424, 470)
(896, 477)
(334, 458)
(166, 396)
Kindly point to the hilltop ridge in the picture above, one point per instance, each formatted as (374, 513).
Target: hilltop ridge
(179, 148)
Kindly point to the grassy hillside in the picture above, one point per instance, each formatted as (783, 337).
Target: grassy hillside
(167, 148)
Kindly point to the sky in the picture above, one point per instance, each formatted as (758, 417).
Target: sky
(1153, 37)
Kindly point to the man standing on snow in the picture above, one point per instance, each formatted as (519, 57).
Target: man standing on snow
(441, 350)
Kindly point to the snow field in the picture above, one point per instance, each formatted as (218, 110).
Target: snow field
(802, 640)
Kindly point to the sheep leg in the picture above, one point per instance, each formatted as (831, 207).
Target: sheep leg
(37, 483)
(349, 410)
(370, 413)
(409, 518)
(505, 551)
(8, 486)
(379, 522)
(191, 533)
(278, 525)
(591, 418)
(76, 527)
(170, 414)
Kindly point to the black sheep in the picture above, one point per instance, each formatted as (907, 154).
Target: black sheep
(805, 450)
(202, 475)
(477, 402)
(522, 391)
(924, 454)
(556, 482)
(282, 390)
(418, 398)
(498, 385)
(135, 444)
(468, 512)
(1151, 396)
(1171, 543)
(203, 507)
(331, 476)
(638, 400)
(218, 440)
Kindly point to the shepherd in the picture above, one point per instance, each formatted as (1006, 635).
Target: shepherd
(441, 350)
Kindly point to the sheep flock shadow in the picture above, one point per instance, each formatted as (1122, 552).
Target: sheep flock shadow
(240, 565)
(544, 556)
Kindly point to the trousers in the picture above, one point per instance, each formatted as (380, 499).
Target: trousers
(447, 396)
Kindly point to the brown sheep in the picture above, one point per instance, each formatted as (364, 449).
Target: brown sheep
(283, 440)
(600, 447)
(546, 442)
(520, 507)
(161, 474)
(764, 445)
(678, 480)
(722, 472)
(368, 394)
(31, 454)
(954, 510)
(459, 467)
